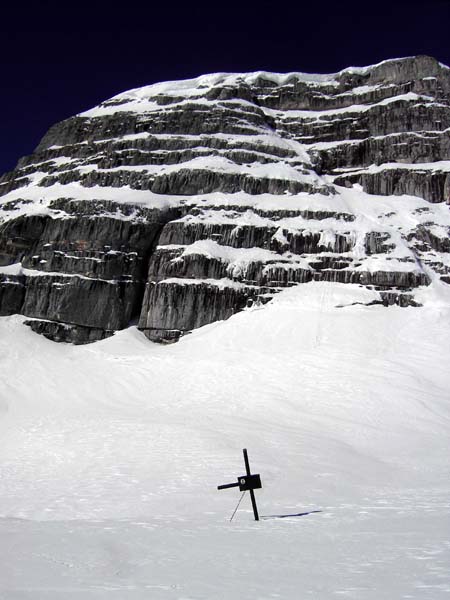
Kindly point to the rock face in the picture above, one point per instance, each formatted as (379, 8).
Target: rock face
(178, 204)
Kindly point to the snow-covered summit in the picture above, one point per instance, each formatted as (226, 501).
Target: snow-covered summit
(199, 86)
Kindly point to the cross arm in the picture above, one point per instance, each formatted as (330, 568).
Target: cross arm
(227, 485)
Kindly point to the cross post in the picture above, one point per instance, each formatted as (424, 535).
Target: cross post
(248, 482)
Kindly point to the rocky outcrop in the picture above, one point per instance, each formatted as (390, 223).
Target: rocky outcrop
(181, 203)
(432, 185)
(409, 148)
(85, 267)
(180, 305)
(64, 332)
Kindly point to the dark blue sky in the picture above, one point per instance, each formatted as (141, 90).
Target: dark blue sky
(57, 60)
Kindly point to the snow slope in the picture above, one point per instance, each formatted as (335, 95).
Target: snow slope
(110, 455)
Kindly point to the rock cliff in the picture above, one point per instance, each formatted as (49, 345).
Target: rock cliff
(178, 204)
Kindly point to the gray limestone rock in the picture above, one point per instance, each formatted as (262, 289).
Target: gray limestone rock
(433, 186)
(81, 301)
(180, 306)
(19, 236)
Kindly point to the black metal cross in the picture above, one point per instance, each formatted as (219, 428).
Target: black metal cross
(248, 482)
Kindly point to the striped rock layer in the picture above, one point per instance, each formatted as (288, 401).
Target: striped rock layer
(178, 204)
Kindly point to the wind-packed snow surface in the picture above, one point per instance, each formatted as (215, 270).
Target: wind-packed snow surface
(110, 455)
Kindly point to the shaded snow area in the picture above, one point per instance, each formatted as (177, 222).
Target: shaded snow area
(110, 455)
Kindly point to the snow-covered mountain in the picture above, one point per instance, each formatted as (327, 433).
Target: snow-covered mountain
(180, 203)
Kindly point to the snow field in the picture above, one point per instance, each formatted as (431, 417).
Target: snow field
(110, 455)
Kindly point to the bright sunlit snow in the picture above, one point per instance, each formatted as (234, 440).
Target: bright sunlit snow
(110, 455)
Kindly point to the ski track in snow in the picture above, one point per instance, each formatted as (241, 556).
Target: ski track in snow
(110, 455)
